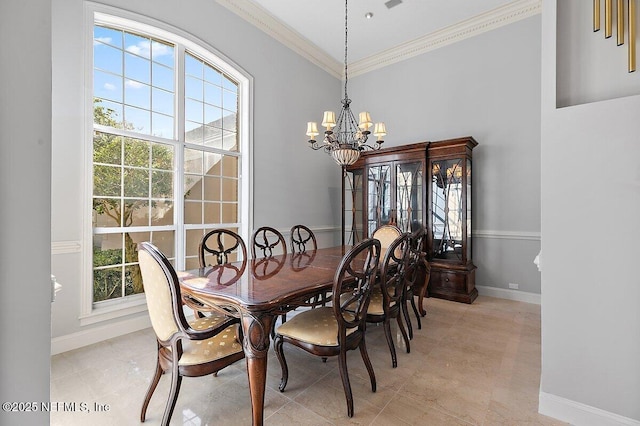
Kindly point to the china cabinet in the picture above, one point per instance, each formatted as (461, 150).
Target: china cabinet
(427, 183)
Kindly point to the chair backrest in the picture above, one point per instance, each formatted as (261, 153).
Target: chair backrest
(302, 239)
(265, 239)
(416, 254)
(221, 243)
(393, 271)
(386, 234)
(162, 291)
(352, 285)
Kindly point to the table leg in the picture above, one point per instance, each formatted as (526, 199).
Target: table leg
(256, 328)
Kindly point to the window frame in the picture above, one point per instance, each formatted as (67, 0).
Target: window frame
(98, 14)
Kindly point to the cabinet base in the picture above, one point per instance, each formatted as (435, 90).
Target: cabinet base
(456, 297)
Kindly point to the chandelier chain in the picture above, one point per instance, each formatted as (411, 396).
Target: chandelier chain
(346, 77)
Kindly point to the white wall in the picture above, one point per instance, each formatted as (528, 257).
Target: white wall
(487, 86)
(590, 229)
(292, 184)
(25, 173)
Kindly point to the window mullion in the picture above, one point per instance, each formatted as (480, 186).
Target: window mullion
(178, 196)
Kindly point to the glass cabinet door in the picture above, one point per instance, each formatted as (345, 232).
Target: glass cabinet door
(353, 208)
(409, 198)
(447, 208)
(379, 197)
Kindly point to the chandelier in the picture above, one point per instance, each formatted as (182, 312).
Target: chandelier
(345, 138)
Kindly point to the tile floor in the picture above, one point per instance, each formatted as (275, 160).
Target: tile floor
(473, 364)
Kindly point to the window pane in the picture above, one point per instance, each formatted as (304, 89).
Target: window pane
(193, 88)
(212, 213)
(137, 45)
(161, 156)
(193, 66)
(165, 241)
(161, 184)
(106, 148)
(162, 101)
(192, 187)
(106, 181)
(212, 75)
(107, 283)
(213, 94)
(229, 101)
(212, 163)
(213, 137)
(161, 213)
(107, 250)
(230, 142)
(137, 68)
(137, 212)
(229, 85)
(137, 119)
(108, 113)
(230, 166)
(107, 58)
(193, 161)
(136, 182)
(107, 86)
(193, 133)
(193, 111)
(230, 212)
(106, 212)
(211, 188)
(107, 36)
(137, 94)
(136, 152)
(162, 126)
(162, 53)
(162, 77)
(213, 116)
(192, 212)
(229, 189)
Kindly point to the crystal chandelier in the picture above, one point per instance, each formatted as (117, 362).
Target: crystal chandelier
(345, 138)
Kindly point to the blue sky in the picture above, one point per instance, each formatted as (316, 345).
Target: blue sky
(135, 76)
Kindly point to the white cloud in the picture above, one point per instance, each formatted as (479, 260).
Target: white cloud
(143, 49)
(102, 39)
(109, 86)
(133, 84)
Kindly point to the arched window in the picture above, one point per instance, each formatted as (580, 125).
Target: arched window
(169, 149)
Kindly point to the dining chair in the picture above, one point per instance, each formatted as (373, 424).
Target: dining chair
(416, 261)
(302, 238)
(220, 243)
(266, 239)
(186, 349)
(388, 298)
(333, 330)
(386, 234)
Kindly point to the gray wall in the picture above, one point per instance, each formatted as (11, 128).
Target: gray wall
(590, 229)
(292, 184)
(25, 173)
(488, 87)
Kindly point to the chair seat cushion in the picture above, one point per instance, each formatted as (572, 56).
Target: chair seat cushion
(316, 326)
(222, 345)
(376, 302)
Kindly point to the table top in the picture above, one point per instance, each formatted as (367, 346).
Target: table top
(265, 284)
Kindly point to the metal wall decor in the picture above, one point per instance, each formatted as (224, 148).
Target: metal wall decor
(620, 25)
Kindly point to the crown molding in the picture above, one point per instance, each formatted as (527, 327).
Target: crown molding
(263, 20)
(498, 17)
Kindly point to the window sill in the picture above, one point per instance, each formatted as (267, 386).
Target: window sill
(114, 310)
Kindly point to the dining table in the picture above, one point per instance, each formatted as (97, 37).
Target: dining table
(257, 291)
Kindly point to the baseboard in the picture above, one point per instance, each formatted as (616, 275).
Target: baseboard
(98, 334)
(580, 414)
(504, 293)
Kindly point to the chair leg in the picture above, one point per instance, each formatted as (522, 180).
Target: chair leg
(176, 381)
(392, 348)
(152, 388)
(367, 363)
(344, 375)
(277, 346)
(415, 311)
(405, 313)
(404, 333)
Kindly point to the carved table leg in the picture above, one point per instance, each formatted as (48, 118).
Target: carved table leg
(256, 328)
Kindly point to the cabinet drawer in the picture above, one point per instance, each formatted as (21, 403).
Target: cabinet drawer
(448, 281)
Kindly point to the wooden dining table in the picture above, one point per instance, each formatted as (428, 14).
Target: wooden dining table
(259, 290)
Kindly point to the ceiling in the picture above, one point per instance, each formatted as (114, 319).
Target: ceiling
(321, 22)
